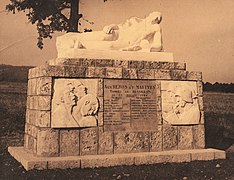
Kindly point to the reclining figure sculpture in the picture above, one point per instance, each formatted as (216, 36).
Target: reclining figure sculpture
(134, 35)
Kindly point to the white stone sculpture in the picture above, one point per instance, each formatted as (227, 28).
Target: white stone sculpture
(72, 106)
(180, 103)
(134, 35)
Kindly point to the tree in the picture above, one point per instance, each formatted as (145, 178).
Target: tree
(48, 15)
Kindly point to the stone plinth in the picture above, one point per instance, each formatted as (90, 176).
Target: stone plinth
(29, 161)
(87, 110)
(112, 54)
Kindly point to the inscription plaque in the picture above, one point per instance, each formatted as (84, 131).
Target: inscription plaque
(130, 105)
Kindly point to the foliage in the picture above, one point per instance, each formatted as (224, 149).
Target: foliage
(219, 87)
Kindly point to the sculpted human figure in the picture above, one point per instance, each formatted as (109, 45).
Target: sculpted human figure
(73, 107)
(185, 109)
(134, 35)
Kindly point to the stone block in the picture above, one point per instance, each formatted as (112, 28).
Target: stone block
(32, 86)
(113, 72)
(194, 75)
(131, 142)
(64, 163)
(158, 87)
(47, 71)
(74, 71)
(199, 136)
(100, 119)
(156, 140)
(180, 66)
(69, 61)
(121, 63)
(170, 136)
(105, 144)
(178, 74)
(44, 86)
(200, 103)
(26, 140)
(31, 144)
(89, 141)
(162, 74)
(136, 64)
(129, 73)
(159, 103)
(220, 154)
(42, 118)
(47, 142)
(152, 65)
(44, 102)
(202, 155)
(100, 92)
(100, 99)
(185, 137)
(99, 72)
(167, 65)
(199, 88)
(33, 72)
(69, 143)
(104, 63)
(146, 74)
(107, 161)
(159, 117)
(202, 121)
(88, 62)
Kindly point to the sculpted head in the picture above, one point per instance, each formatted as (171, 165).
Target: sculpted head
(154, 18)
(184, 95)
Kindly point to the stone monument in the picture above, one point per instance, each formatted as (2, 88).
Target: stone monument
(113, 97)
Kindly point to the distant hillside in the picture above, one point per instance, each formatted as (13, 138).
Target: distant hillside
(10, 73)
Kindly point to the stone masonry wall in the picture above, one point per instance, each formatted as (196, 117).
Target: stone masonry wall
(42, 140)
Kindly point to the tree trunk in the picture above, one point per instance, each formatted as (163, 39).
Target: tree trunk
(74, 16)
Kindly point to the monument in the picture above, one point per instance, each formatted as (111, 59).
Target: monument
(113, 97)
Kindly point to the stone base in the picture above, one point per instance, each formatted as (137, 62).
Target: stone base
(117, 55)
(92, 161)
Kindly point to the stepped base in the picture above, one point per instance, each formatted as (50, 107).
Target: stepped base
(91, 161)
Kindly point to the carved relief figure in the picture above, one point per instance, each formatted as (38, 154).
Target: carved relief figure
(184, 109)
(134, 35)
(73, 107)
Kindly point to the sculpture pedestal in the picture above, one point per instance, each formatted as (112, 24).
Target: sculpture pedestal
(124, 111)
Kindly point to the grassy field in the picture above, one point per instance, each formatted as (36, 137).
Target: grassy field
(219, 122)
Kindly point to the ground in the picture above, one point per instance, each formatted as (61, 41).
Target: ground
(219, 118)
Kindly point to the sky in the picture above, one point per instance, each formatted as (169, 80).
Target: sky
(199, 33)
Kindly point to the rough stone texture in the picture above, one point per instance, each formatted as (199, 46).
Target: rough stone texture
(69, 143)
(38, 102)
(32, 87)
(162, 74)
(42, 118)
(156, 140)
(96, 72)
(47, 142)
(114, 73)
(100, 88)
(193, 75)
(129, 73)
(159, 117)
(104, 63)
(136, 64)
(199, 136)
(121, 63)
(178, 75)
(167, 65)
(100, 119)
(131, 142)
(180, 66)
(107, 161)
(200, 103)
(146, 74)
(185, 137)
(159, 103)
(91, 161)
(199, 88)
(66, 163)
(105, 144)
(74, 71)
(152, 65)
(202, 118)
(89, 141)
(44, 86)
(169, 137)
(203, 155)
